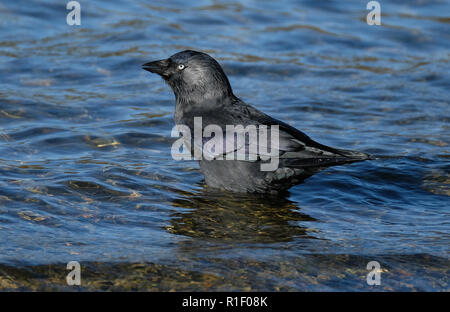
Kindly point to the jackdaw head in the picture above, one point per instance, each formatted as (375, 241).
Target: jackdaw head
(194, 77)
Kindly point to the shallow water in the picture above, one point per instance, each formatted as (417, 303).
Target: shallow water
(86, 172)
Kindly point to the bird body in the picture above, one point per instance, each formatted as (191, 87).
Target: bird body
(203, 92)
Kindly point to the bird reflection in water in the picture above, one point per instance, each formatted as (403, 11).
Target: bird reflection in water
(232, 217)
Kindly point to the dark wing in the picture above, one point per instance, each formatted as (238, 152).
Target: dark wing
(296, 149)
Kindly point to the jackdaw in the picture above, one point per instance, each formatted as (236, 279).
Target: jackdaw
(202, 89)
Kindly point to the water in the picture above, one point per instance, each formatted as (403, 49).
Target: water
(86, 172)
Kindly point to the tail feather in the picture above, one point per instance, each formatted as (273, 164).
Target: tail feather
(354, 154)
(343, 157)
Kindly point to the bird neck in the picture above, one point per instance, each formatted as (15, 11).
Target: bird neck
(197, 106)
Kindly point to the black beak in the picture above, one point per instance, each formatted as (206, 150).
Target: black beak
(158, 67)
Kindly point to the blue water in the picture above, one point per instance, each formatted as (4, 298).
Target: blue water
(86, 172)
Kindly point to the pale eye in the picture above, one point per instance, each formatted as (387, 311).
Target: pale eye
(181, 67)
